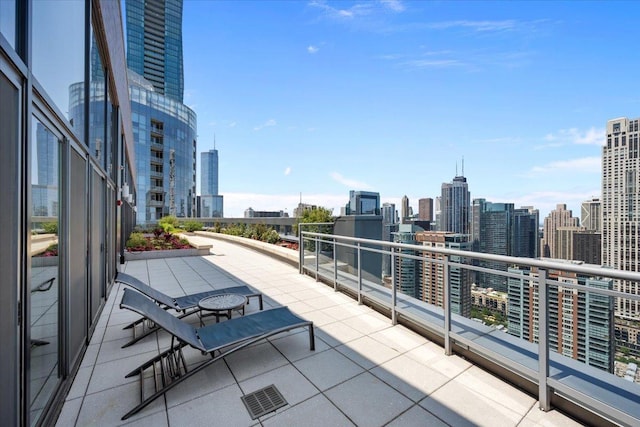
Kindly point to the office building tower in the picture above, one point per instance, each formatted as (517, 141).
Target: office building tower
(559, 217)
(407, 270)
(425, 209)
(389, 226)
(526, 232)
(621, 208)
(591, 215)
(164, 128)
(587, 247)
(432, 282)
(154, 44)
(404, 210)
(492, 233)
(456, 206)
(211, 203)
(581, 324)
(363, 203)
(564, 242)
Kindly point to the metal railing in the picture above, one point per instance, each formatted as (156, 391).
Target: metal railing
(318, 254)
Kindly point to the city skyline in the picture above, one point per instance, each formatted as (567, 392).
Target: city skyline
(322, 96)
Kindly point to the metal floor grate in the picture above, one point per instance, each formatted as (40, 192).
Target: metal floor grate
(263, 401)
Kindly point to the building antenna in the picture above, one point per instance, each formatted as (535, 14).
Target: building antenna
(462, 165)
(301, 197)
(214, 141)
(456, 168)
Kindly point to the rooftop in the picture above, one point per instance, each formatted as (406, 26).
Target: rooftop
(364, 371)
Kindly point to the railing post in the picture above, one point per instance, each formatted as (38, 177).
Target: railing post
(544, 395)
(317, 243)
(447, 306)
(359, 276)
(335, 267)
(300, 250)
(394, 319)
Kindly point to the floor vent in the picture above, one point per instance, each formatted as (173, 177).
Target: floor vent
(263, 401)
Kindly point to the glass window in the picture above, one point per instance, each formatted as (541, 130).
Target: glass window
(44, 295)
(58, 50)
(97, 106)
(8, 21)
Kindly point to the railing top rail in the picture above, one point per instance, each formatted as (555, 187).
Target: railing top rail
(585, 269)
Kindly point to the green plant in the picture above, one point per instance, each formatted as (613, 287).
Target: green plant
(192, 225)
(137, 242)
(50, 227)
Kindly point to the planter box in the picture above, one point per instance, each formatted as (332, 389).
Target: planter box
(202, 250)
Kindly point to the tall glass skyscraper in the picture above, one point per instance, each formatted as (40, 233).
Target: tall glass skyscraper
(164, 128)
(211, 203)
(154, 44)
(456, 206)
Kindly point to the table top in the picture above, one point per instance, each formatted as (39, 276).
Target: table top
(222, 302)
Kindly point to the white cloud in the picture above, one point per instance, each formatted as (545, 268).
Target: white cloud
(394, 5)
(312, 49)
(584, 164)
(480, 26)
(287, 171)
(233, 124)
(591, 136)
(268, 123)
(351, 183)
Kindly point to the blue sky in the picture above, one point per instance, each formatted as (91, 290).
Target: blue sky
(320, 98)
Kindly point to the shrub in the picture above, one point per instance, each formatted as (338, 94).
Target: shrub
(137, 242)
(50, 227)
(192, 225)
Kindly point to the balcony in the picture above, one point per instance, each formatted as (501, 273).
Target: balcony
(364, 371)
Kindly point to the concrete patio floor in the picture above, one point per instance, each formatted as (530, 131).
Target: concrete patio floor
(363, 372)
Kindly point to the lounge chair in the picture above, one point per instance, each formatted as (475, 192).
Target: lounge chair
(185, 305)
(169, 368)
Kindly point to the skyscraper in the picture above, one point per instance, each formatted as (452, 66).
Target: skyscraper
(559, 217)
(425, 209)
(432, 282)
(571, 313)
(211, 203)
(389, 226)
(621, 208)
(591, 215)
(363, 203)
(404, 210)
(456, 206)
(154, 44)
(164, 128)
(407, 270)
(492, 234)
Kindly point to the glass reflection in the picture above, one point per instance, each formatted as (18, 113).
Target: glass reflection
(8, 21)
(44, 295)
(58, 50)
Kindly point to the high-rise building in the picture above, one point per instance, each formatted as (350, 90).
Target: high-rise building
(581, 324)
(526, 231)
(164, 128)
(389, 226)
(154, 44)
(563, 245)
(492, 233)
(211, 203)
(431, 286)
(404, 210)
(363, 203)
(621, 208)
(587, 247)
(559, 217)
(407, 270)
(456, 206)
(591, 215)
(425, 209)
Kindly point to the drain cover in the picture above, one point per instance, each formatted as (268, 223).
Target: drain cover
(263, 401)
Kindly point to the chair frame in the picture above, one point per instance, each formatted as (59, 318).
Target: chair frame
(170, 367)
